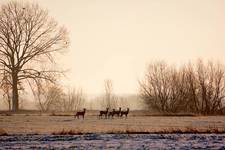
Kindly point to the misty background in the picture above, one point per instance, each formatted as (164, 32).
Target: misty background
(117, 39)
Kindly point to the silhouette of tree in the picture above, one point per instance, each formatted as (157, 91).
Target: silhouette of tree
(196, 88)
(6, 89)
(29, 38)
(109, 98)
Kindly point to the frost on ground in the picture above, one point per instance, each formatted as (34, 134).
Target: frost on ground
(114, 141)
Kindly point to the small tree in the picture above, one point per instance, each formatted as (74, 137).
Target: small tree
(154, 89)
(74, 100)
(109, 98)
(47, 95)
(6, 89)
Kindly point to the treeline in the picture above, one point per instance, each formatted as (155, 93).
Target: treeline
(191, 88)
(52, 97)
(46, 97)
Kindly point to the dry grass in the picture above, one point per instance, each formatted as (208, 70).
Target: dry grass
(189, 130)
(3, 132)
(61, 114)
(45, 124)
(129, 130)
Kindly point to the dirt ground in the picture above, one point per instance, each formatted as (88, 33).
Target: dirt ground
(46, 124)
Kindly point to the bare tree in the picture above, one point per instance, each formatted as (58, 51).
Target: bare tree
(154, 89)
(109, 99)
(197, 88)
(190, 89)
(49, 96)
(6, 89)
(28, 36)
(211, 80)
(74, 100)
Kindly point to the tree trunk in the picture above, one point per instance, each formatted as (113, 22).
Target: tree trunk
(15, 97)
(9, 101)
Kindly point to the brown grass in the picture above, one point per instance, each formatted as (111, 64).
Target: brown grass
(61, 114)
(3, 132)
(129, 130)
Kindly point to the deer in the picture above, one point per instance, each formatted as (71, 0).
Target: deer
(111, 113)
(103, 112)
(117, 112)
(80, 113)
(124, 113)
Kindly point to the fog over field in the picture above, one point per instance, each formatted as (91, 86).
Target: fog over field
(117, 40)
(112, 74)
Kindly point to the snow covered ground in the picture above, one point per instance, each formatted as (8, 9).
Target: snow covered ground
(114, 141)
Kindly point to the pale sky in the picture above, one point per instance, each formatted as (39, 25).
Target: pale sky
(116, 39)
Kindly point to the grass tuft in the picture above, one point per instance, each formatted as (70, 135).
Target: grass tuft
(129, 130)
(3, 132)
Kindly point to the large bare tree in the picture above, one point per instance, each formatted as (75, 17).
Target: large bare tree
(28, 39)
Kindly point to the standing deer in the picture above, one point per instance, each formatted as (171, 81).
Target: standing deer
(80, 113)
(118, 112)
(103, 112)
(124, 113)
(111, 113)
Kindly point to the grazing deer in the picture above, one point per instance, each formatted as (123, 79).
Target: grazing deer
(103, 112)
(124, 113)
(118, 112)
(80, 113)
(111, 113)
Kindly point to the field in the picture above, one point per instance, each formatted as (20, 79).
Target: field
(46, 131)
(53, 124)
(114, 141)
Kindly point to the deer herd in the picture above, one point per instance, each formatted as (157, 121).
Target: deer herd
(105, 113)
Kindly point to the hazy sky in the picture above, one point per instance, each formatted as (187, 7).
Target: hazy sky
(115, 39)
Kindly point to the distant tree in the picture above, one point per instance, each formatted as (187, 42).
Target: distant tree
(109, 98)
(6, 89)
(74, 100)
(49, 96)
(29, 38)
(197, 88)
(155, 89)
(211, 80)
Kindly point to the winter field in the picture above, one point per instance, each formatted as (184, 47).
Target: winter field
(51, 131)
(35, 123)
(115, 141)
